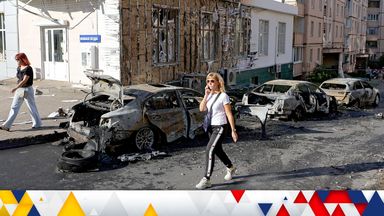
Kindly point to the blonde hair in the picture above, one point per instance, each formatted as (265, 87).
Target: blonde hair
(219, 78)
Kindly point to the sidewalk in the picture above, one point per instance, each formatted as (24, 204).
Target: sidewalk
(55, 94)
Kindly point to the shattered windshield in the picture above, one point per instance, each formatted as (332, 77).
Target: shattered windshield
(333, 86)
(270, 89)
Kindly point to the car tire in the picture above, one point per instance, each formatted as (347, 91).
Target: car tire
(78, 160)
(298, 114)
(376, 101)
(145, 138)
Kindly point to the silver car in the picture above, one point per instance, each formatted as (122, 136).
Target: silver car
(290, 98)
(139, 114)
(351, 92)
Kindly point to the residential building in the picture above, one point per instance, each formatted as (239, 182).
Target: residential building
(334, 34)
(271, 40)
(65, 38)
(375, 29)
(355, 34)
(158, 41)
(8, 39)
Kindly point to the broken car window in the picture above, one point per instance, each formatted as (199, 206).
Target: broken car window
(190, 99)
(163, 100)
(334, 86)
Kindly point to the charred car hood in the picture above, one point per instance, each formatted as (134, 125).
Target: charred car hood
(106, 85)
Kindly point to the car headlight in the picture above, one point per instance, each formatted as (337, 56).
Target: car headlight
(106, 123)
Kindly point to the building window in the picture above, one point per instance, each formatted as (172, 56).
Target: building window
(2, 38)
(374, 4)
(313, 4)
(373, 17)
(263, 37)
(281, 38)
(318, 55)
(312, 26)
(321, 5)
(165, 31)
(310, 55)
(337, 31)
(372, 44)
(319, 30)
(298, 54)
(243, 34)
(372, 31)
(208, 36)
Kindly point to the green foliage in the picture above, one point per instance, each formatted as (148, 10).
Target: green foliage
(320, 74)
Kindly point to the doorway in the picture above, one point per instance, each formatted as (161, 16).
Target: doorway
(55, 51)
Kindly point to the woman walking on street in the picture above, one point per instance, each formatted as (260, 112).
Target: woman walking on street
(216, 101)
(23, 91)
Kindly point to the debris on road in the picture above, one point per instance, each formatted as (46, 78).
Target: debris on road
(140, 157)
(379, 115)
(59, 113)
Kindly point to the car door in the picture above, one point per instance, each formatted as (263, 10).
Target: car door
(368, 93)
(358, 91)
(191, 101)
(166, 113)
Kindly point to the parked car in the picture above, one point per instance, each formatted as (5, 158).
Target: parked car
(290, 98)
(137, 114)
(351, 91)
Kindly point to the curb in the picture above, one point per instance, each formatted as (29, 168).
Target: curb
(31, 140)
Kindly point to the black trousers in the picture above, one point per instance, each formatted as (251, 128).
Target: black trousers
(214, 147)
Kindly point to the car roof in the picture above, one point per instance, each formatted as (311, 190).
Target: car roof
(153, 88)
(286, 82)
(145, 90)
(342, 80)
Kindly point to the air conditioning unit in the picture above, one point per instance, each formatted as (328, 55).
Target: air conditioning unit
(278, 68)
(231, 77)
(194, 83)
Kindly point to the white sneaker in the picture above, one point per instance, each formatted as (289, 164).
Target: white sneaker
(204, 183)
(230, 172)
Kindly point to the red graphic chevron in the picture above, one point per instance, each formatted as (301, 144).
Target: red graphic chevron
(237, 194)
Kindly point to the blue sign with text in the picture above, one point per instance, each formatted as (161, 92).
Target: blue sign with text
(90, 38)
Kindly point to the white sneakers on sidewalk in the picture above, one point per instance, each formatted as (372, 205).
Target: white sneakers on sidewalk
(230, 172)
(206, 183)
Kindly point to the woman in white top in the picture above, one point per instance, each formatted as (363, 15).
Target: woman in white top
(216, 101)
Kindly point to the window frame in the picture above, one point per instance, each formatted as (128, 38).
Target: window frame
(157, 28)
(263, 38)
(281, 37)
(3, 47)
(211, 30)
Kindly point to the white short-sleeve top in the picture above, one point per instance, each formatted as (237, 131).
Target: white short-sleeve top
(218, 112)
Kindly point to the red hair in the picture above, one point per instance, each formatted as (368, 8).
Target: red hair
(22, 58)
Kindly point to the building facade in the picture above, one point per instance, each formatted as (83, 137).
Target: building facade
(375, 29)
(65, 38)
(334, 34)
(162, 40)
(9, 44)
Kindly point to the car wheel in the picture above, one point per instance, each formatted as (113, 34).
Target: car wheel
(78, 160)
(145, 138)
(376, 101)
(298, 114)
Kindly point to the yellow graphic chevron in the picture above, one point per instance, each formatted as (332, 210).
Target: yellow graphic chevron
(3, 211)
(24, 206)
(71, 207)
(150, 211)
(7, 197)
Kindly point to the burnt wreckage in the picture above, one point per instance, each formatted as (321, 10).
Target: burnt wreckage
(138, 114)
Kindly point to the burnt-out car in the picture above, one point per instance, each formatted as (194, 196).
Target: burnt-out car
(290, 98)
(138, 114)
(351, 91)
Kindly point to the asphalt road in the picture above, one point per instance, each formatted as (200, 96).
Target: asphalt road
(319, 153)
